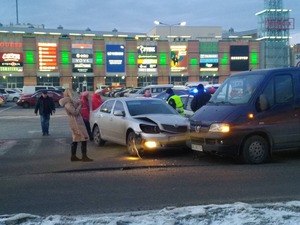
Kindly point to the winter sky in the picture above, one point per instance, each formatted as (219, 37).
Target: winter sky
(138, 16)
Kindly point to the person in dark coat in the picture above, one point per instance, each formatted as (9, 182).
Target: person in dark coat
(200, 99)
(45, 106)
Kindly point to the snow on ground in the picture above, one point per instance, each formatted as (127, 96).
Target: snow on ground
(226, 214)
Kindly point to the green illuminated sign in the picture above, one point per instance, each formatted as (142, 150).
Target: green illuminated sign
(29, 57)
(163, 58)
(254, 58)
(193, 61)
(65, 57)
(99, 58)
(131, 58)
(224, 59)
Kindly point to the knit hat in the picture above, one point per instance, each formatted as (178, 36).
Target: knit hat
(169, 91)
(200, 87)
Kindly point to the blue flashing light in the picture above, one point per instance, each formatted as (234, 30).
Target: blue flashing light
(194, 91)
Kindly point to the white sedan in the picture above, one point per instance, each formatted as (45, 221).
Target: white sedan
(141, 124)
(13, 95)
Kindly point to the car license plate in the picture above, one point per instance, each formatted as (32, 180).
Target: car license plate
(197, 147)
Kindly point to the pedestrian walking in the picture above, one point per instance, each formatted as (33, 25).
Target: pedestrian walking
(79, 133)
(45, 107)
(85, 112)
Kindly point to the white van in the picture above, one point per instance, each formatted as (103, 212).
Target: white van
(32, 89)
(155, 89)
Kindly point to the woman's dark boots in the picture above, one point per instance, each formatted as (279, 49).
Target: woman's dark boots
(73, 152)
(83, 151)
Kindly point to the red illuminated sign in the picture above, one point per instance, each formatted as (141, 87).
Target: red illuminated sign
(280, 24)
(47, 57)
(10, 44)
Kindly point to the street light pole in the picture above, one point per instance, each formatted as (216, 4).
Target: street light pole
(170, 34)
(170, 25)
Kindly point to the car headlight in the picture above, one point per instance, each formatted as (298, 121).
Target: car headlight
(151, 129)
(219, 127)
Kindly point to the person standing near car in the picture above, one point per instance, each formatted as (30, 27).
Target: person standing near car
(200, 99)
(96, 100)
(85, 112)
(45, 106)
(79, 132)
(174, 101)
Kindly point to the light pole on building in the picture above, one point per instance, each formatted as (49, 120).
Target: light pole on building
(170, 25)
(170, 30)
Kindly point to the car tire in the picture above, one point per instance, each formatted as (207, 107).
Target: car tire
(57, 105)
(26, 105)
(97, 137)
(255, 150)
(15, 99)
(134, 141)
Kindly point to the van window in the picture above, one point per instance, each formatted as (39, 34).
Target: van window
(237, 89)
(279, 90)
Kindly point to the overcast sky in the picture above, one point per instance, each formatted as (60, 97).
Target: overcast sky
(138, 16)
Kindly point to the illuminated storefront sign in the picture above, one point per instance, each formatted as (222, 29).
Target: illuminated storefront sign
(209, 62)
(82, 63)
(82, 58)
(4, 44)
(147, 59)
(178, 58)
(47, 57)
(239, 58)
(11, 61)
(115, 59)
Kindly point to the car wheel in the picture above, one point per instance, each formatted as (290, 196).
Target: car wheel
(57, 105)
(134, 141)
(97, 137)
(15, 99)
(255, 150)
(26, 105)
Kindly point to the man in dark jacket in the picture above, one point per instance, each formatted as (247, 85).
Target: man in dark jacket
(46, 107)
(200, 99)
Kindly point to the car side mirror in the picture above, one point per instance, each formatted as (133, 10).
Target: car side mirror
(263, 102)
(119, 113)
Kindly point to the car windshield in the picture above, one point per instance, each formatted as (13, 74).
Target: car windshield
(142, 106)
(237, 89)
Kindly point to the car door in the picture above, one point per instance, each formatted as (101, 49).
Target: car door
(104, 119)
(281, 119)
(118, 123)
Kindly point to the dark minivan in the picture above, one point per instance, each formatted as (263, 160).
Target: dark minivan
(251, 115)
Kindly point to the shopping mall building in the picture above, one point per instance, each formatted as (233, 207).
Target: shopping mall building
(34, 55)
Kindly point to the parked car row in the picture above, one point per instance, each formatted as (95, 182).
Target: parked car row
(8, 94)
(29, 100)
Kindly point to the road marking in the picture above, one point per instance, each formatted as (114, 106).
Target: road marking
(6, 145)
(6, 109)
